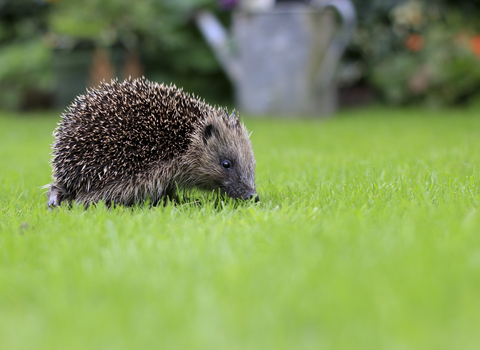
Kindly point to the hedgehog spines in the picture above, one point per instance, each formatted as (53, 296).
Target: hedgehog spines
(124, 141)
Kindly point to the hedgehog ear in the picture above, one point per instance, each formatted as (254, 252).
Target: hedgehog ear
(208, 132)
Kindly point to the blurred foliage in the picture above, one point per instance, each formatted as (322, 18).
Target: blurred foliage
(162, 30)
(410, 51)
(108, 22)
(172, 49)
(25, 73)
(420, 52)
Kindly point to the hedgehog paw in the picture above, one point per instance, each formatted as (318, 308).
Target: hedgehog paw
(53, 197)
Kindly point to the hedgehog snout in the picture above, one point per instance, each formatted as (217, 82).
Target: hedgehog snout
(251, 196)
(243, 193)
(254, 196)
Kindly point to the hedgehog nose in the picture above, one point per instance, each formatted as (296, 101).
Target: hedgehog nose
(254, 195)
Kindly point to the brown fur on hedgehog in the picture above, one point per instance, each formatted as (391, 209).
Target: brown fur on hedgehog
(126, 142)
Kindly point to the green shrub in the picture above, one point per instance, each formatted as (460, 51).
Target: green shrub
(424, 52)
(172, 49)
(24, 68)
(24, 54)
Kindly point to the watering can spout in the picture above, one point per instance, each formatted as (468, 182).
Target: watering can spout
(217, 38)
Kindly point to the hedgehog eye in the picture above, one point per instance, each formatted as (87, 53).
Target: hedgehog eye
(226, 164)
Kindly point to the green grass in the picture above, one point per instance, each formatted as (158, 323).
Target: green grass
(367, 236)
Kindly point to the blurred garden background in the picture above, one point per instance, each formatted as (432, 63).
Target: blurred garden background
(403, 52)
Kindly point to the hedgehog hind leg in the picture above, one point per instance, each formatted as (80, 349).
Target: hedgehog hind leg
(55, 196)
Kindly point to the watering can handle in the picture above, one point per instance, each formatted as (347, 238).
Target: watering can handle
(346, 11)
(217, 38)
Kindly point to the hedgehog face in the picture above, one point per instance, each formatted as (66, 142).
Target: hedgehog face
(225, 160)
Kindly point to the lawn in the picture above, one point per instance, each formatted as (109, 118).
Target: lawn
(367, 236)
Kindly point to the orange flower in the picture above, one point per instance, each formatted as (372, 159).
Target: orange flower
(475, 45)
(415, 42)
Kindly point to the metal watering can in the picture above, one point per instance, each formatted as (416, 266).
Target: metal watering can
(282, 60)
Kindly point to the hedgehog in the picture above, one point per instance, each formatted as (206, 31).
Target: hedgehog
(134, 141)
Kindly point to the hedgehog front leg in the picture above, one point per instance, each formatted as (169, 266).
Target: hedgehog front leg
(171, 194)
